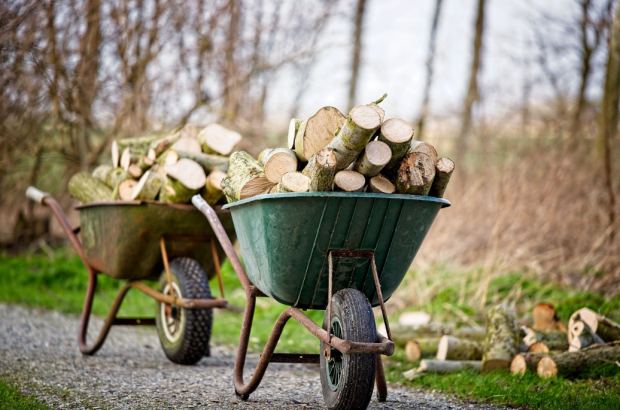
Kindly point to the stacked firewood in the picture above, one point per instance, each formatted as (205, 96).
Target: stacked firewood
(547, 348)
(169, 168)
(331, 152)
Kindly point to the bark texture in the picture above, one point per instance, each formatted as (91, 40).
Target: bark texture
(585, 362)
(452, 348)
(317, 132)
(373, 158)
(148, 187)
(83, 187)
(245, 179)
(501, 343)
(321, 170)
(415, 175)
(417, 349)
(443, 171)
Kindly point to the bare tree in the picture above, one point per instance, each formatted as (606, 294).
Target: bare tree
(473, 93)
(357, 50)
(609, 112)
(429, 68)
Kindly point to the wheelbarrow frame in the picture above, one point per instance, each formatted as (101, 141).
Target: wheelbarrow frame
(384, 346)
(111, 318)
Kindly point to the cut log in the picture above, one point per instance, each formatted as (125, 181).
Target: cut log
(554, 339)
(605, 328)
(379, 111)
(293, 182)
(441, 367)
(501, 342)
(125, 189)
(317, 131)
(145, 163)
(349, 181)
(524, 362)
(263, 154)
(189, 131)
(151, 154)
(582, 336)
(424, 148)
(115, 154)
(169, 157)
(360, 125)
(402, 334)
(101, 172)
(245, 179)
(293, 128)
(278, 162)
(184, 180)
(452, 348)
(216, 139)
(135, 171)
(125, 159)
(538, 347)
(397, 134)
(443, 171)
(417, 349)
(373, 158)
(148, 187)
(381, 185)
(586, 362)
(321, 170)
(415, 175)
(187, 145)
(212, 192)
(208, 162)
(116, 176)
(545, 317)
(138, 145)
(83, 187)
(162, 144)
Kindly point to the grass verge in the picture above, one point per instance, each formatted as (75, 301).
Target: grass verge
(12, 399)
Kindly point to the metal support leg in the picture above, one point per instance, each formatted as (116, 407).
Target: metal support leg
(380, 380)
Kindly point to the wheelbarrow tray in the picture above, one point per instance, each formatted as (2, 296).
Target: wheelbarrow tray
(285, 240)
(122, 238)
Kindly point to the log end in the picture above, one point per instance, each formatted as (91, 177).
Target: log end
(547, 368)
(413, 351)
(518, 365)
(538, 347)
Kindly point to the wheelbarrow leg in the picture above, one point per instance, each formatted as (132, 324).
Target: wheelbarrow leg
(380, 380)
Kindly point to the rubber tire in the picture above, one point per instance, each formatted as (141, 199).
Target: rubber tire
(193, 343)
(357, 380)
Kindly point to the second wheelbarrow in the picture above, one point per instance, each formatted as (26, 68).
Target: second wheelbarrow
(339, 252)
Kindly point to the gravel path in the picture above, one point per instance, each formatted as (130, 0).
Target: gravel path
(38, 352)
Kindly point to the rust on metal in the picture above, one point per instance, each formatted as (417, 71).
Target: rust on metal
(134, 321)
(295, 358)
(218, 272)
(380, 296)
(380, 381)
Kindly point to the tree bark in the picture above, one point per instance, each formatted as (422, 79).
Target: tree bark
(554, 339)
(321, 170)
(580, 363)
(101, 172)
(472, 91)
(317, 132)
(83, 187)
(452, 348)
(373, 158)
(360, 125)
(415, 175)
(116, 176)
(501, 343)
(443, 171)
(349, 181)
(430, 57)
(245, 179)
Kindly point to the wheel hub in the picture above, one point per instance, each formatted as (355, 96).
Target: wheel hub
(334, 364)
(173, 317)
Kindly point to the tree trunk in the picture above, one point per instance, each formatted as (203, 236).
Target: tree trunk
(472, 91)
(321, 170)
(609, 115)
(293, 182)
(207, 161)
(357, 50)
(501, 343)
(443, 171)
(360, 125)
(83, 187)
(524, 362)
(452, 348)
(212, 192)
(317, 132)
(381, 185)
(278, 162)
(397, 134)
(415, 175)
(430, 57)
(148, 187)
(416, 349)
(373, 158)
(607, 329)
(585, 362)
(245, 179)
(349, 181)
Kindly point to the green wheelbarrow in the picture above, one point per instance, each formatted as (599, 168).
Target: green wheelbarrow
(148, 240)
(339, 252)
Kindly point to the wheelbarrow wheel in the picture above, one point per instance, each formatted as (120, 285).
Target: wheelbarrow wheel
(184, 333)
(348, 380)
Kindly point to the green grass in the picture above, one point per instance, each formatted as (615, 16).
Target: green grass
(59, 282)
(12, 399)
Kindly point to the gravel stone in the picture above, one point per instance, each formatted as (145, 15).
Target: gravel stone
(39, 353)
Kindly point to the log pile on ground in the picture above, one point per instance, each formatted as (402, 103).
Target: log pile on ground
(590, 347)
(168, 168)
(330, 152)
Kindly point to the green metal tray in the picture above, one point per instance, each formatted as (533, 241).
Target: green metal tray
(121, 238)
(285, 239)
